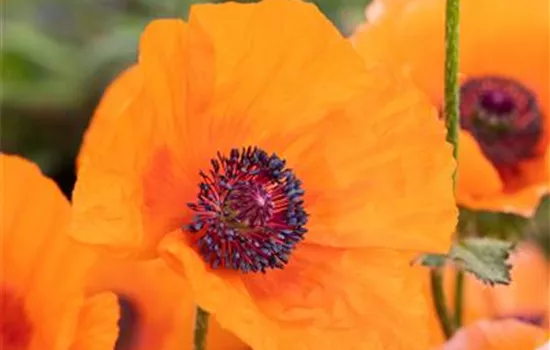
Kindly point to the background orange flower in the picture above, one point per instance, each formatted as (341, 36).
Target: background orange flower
(159, 309)
(504, 55)
(526, 297)
(42, 279)
(497, 335)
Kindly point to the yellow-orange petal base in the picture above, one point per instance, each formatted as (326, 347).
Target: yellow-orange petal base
(44, 305)
(364, 157)
(504, 55)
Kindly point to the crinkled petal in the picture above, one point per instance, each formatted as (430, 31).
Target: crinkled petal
(325, 298)
(387, 163)
(121, 157)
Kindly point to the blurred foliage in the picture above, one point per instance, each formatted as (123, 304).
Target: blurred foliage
(58, 55)
(508, 226)
(491, 224)
(539, 230)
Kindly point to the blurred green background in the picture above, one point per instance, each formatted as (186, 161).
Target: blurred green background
(58, 55)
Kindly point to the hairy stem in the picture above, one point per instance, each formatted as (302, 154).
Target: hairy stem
(452, 121)
(452, 93)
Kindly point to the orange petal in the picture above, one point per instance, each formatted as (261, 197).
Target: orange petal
(384, 40)
(385, 163)
(112, 205)
(523, 202)
(160, 303)
(497, 335)
(528, 292)
(263, 65)
(267, 74)
(106, 137)
(477, 177)
(95, 325)
(25, 195)
(331, 297)
(34, 217)
(121, 95)
(480, 188)
(163, 45)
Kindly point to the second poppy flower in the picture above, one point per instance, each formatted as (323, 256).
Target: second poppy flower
(504, 54)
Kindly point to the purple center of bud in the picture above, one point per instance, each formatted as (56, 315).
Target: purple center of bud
(497, 102)
(250, 214)
(504, 117)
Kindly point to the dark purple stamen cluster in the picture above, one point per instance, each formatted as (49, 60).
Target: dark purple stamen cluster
(503, 116)
(250, 212)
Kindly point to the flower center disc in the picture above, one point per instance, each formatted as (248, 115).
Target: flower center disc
(250, 212)
(504, 117)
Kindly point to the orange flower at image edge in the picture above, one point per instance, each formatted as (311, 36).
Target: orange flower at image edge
(42, 280)
(498, 335)
(504, 53)
(290, 184)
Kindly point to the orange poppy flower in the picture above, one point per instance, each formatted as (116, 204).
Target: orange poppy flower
(317, 185)
(504, 55)
(41, 284)
(497, 335)
(159, 306)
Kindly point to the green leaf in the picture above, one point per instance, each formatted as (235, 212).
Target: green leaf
(431, 260)
(485, 258)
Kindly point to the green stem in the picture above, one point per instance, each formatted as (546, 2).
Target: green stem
(459, 298)
(201, 329)
(452, 93)
(440, 304)
(452, 115)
